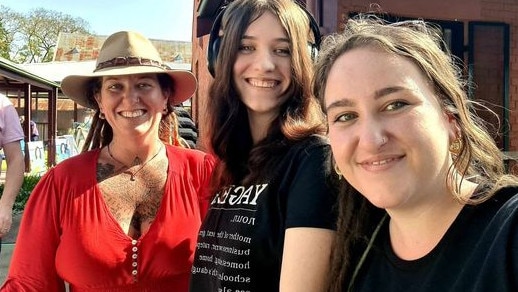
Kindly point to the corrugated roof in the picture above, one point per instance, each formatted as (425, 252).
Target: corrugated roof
(19, 73)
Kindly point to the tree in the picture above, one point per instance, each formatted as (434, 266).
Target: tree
(33, 36)
(7, 31)
(4, 44)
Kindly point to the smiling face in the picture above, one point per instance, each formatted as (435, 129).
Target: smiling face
(388, 133)
(262, 69)
(133, 105)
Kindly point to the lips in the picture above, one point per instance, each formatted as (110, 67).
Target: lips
(262, 83)
(381, 162)
(132, 114)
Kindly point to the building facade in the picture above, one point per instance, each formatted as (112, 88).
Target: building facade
(481, 33)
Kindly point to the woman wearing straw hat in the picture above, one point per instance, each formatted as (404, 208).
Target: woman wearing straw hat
(124, 214)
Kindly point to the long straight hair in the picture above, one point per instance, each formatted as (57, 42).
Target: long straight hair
(300, 116)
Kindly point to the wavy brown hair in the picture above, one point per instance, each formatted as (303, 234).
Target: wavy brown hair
(479, 160)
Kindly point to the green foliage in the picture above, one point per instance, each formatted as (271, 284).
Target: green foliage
(32, 35)
(29, 182)
(4, 42)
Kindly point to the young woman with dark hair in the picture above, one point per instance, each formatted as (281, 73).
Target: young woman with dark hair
(271, 222)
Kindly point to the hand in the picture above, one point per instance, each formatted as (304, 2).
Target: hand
(6, 220)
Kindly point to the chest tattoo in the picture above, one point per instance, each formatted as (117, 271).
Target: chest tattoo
(134, 204)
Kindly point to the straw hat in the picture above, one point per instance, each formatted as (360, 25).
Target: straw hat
(125, 53)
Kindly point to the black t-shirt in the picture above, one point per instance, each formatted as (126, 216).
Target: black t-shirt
(241, 239)
(479, 252)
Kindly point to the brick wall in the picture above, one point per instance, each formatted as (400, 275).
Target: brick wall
(505, 11)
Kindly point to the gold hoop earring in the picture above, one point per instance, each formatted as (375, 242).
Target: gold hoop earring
(102, 116)
(337, 170)
(456, 146)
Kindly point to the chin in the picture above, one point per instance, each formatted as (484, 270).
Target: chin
(380, 198)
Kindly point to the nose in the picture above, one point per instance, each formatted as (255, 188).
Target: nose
(372, 135)
(264, 61)
(131, 95)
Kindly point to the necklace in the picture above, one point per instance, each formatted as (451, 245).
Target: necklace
(133, 174)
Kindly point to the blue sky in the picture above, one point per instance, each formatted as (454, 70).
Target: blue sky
(157, 19)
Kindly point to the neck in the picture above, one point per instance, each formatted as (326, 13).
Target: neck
(416, 231)
(134, 152)
(259, 126)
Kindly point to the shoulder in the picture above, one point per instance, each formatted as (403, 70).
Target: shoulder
(76, 170)
(4, 101)
(506, 197)
(315, 140)
(500, 210)
(9, 112)
(186, 156)
(81, 158)
(75, 164)
(308, 159)
(312, 145)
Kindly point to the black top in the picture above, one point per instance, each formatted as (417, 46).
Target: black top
(241, 239)
(479, 252)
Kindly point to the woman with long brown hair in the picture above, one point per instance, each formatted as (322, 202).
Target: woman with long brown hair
(271, 221)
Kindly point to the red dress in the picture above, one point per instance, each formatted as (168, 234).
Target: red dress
(68, 234)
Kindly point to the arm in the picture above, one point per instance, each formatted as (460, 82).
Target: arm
(33, 264)
(204, 191)
(13, 182)
(310, 224)
(306, 259)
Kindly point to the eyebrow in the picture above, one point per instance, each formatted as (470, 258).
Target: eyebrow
(140, 76)
(377, 95)
(283, 39)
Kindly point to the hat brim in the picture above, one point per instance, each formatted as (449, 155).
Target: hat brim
(75, 86)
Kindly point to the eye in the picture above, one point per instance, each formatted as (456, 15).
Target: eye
(283, 52)
(344, 117)
(144, 85)
(114, 86)
(393, 106)
(246, 48)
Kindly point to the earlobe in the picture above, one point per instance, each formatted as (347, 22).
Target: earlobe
(97, 98)
(454, 129)
(167, 95)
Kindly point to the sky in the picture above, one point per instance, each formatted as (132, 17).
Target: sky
(155, 19)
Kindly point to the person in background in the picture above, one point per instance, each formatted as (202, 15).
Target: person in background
(35, 135)
(11, 134)
(124, 214)
(271, 223)
(427, 205)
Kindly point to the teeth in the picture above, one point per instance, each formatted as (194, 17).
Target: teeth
(132, 114)
(381, 162)
(262, 83)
